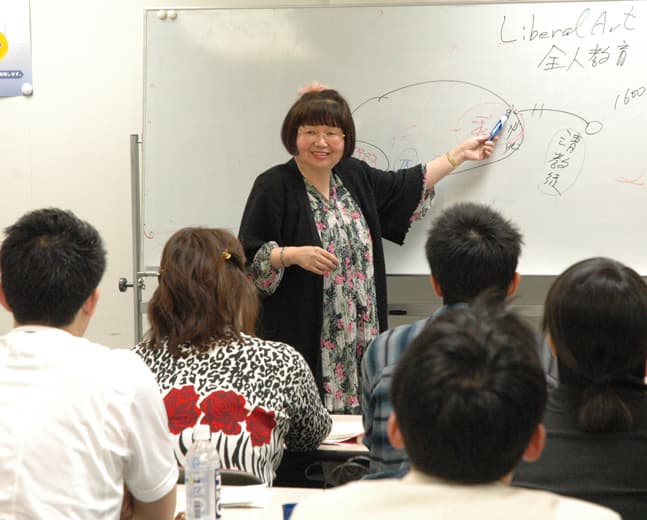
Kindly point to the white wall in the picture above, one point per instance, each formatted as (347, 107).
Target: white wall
(68, 145)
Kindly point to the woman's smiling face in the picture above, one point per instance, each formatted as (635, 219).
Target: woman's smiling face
(320, 147)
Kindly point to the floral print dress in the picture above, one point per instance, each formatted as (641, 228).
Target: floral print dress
(350, 318)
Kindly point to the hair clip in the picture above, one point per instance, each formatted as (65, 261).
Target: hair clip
(226, 254)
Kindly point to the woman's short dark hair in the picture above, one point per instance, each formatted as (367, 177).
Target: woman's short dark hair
(204, 291)
(596, 315)
(326, 107)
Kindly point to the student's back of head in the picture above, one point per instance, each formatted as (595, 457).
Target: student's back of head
(470, 248)
(469, 394)
(89, 420)
(596, 317)
(209, 365)
(204, 291)
(51, 262)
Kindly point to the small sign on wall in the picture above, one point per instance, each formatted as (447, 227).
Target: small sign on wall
(15, 49)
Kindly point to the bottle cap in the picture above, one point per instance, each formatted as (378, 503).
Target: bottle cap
(201, 432)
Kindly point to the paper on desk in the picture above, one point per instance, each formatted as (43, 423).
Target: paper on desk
(344, 429)
(254, 495)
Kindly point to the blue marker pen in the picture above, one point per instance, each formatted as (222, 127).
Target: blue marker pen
(499, 124)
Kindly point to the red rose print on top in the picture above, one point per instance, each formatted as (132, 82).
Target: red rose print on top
(181, 408)
(260, 424)
(224, 410)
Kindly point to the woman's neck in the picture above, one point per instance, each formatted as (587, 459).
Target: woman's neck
(320, 179)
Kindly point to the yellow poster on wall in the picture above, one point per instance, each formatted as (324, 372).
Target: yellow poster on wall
(15, 49)
(4, 45)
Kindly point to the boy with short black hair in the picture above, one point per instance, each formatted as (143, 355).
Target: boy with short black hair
(468, 397)
(470, 248)
(78, 421)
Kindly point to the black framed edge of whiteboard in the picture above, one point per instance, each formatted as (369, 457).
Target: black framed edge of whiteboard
(568, 169)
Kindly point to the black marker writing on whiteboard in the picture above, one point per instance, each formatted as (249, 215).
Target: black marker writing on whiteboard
(499, 124)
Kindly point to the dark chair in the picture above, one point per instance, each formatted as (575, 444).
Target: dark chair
(234, 477)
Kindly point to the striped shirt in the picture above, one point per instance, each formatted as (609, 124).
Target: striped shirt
(378, 365)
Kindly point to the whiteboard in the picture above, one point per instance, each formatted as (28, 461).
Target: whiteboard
(570, 166)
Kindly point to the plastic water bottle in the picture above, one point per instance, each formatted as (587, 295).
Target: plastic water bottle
(202, 477)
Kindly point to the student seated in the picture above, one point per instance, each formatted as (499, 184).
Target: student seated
(468, 397)
(470, 248)
(595, 317)
(77, 420)
(258, 396)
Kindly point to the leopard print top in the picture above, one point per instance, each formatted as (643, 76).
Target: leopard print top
(258, 397)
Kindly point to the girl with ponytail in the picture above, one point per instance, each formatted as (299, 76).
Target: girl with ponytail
(595, 319)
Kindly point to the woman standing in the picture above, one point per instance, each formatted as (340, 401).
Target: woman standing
(312, 229)
(257, 396)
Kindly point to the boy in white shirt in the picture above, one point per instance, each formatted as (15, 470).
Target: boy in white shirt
(78, 421)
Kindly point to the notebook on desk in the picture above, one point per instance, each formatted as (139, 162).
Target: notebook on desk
(346, 429)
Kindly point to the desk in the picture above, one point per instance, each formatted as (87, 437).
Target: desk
(331, 453)
(271, 511)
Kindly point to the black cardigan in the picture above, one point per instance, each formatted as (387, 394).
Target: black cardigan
(278, 210)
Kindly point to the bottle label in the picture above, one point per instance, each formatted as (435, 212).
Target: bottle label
(201, 496)
(218, 494)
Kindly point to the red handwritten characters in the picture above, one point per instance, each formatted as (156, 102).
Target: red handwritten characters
(181, 408)
(260, 424)
(223, 411)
